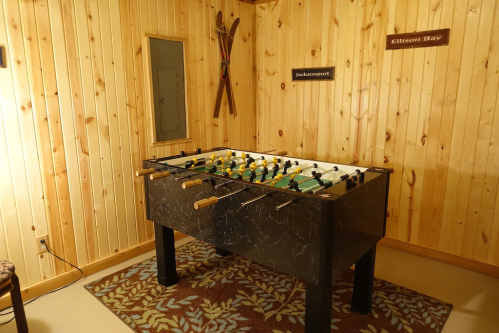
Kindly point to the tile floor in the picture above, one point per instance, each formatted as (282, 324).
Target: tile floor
(475, 297)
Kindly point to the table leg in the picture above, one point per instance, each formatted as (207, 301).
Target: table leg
(222, 252)
(165, 253)
(17, 305)
(318, 306)
(363, 283)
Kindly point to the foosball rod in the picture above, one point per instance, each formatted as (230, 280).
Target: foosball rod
(243, 156)
(336, 182)
(311, 178)
(228, 154)
(295, 172)
(256, 199)
(213, 157)
(213, 200)
(321, 188)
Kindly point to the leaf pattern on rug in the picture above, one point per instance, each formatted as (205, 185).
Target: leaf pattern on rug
(237, 295)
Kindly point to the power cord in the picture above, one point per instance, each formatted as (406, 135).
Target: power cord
(48, 293)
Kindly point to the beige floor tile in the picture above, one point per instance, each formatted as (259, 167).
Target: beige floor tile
(475, 297)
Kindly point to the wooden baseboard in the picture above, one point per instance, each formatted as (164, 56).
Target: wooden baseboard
(68, 277)
(451, 259)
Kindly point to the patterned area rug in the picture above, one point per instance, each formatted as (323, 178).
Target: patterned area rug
(234, 294)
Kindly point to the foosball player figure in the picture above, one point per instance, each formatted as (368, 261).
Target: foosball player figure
(275, 170)
(265, 172)
(249, 161)
(318, 176)
(288, 165)
(294, 185)
(228, 172)
(241, 171)
(213, 169)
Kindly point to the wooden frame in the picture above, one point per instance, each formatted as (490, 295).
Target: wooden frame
(148, 89)
(3, 58)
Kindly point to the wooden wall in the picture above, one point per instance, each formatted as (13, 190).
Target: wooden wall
(429, 114)
(74, 121)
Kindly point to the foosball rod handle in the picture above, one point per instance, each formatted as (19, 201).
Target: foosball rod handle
(144, 172)
(192, 183)
(158, 175)
(205, 203)
(281, 153)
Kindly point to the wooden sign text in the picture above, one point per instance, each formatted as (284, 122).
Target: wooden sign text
(313, 74)
(418, 39)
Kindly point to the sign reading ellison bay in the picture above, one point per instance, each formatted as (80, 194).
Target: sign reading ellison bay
(313, 74)
(418, 39)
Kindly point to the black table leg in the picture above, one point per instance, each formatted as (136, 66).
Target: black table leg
(17, 305)
(318, 306)
(165, 252)
(222, 252)
(363, 283)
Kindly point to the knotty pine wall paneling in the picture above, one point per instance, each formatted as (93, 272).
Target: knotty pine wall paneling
(429, 114)
(75, 119)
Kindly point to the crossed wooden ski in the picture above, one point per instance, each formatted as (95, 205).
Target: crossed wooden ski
(225, 41)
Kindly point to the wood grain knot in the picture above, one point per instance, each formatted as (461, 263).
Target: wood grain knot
(279, 23)
(348, 63)
(423, 139)
(280, 132)
(385, 159)
(283, 85)
(313, 52)
(388, 136)
(392, 170)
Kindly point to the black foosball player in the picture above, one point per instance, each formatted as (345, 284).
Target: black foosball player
(318, 176)
(249, 161)
(265, 172)
(294, 185)
(252, 176)
(288, 165)
(275, 170)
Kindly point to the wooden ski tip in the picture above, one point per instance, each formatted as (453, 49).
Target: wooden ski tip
(219, 18)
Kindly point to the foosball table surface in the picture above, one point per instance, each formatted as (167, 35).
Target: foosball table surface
(206, 161)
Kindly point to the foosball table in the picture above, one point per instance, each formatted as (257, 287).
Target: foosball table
(306, 218)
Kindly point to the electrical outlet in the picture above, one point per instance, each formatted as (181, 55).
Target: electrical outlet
(39, 246)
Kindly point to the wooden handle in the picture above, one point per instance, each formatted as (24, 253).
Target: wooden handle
(281, 153)
(191, 183)
(205, 203)
(144, 172)
(157, 175)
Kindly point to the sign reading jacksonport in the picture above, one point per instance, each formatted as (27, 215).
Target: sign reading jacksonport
(418, 39)
(313, 74)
